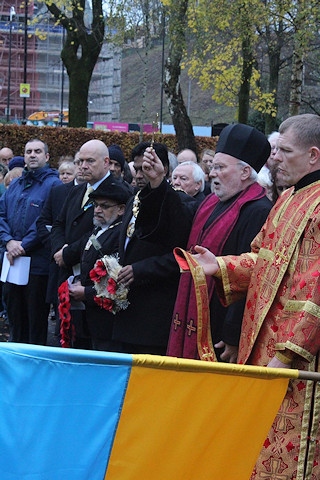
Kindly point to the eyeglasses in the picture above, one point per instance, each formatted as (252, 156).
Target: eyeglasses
(217, 167)
(104, 206)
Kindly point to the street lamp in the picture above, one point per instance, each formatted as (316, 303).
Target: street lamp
(162, 65)
(62, 81)
(24, 114)
(12, 14)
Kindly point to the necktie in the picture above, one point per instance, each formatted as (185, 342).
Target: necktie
(86, 196)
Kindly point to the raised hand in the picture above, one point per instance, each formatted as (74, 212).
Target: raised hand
(152, 167)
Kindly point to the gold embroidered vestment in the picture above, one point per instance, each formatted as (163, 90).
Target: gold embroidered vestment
(282, 313)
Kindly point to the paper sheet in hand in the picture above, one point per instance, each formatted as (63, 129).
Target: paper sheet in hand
(18, 273)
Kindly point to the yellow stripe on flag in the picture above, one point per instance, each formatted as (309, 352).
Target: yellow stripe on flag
(186, 420)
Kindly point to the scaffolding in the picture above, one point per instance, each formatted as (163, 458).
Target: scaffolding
(49, 85)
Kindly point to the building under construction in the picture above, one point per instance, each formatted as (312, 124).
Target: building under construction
(32, 76)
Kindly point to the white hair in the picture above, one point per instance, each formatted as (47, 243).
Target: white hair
(273, 136)
(198, 173)
(254, 174)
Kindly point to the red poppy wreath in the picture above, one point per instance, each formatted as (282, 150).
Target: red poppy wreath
(110, 295)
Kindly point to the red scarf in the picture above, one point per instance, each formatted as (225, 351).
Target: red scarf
(183, 335)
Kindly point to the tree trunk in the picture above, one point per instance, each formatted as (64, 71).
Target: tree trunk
(274, 46)
(244, 92)
(79, 82)
(172, 88)
(300, 44)
(296, 84)
(274, 65)
(177, 108)
(79, 71)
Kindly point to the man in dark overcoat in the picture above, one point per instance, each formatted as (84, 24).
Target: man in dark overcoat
(149, 268)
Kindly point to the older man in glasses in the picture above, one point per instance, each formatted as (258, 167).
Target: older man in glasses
(227, 221)
(109, 201)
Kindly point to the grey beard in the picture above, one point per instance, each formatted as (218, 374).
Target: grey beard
(98, 223)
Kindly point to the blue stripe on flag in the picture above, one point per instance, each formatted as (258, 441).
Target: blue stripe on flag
(53, 427)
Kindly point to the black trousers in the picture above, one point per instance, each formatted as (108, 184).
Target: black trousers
(124, 347)
(28, 311)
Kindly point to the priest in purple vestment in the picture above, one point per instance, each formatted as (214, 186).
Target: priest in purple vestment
(225, 223)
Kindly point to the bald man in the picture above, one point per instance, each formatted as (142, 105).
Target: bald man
(187, 155)
(76, 216)
(6, 154)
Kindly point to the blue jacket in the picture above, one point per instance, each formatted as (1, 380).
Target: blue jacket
(20, 207)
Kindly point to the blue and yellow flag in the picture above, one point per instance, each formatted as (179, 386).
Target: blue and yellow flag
(83, 415)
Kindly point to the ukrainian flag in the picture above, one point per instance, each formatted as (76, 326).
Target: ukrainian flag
(83, 415)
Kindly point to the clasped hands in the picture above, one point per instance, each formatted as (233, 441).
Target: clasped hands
(14, 249)
(58, 256)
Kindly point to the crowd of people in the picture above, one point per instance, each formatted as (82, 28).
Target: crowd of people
(247, 212)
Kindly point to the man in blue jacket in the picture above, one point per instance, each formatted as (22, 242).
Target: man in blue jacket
(20, 207)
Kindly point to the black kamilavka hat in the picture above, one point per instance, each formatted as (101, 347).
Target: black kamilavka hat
(245, 143)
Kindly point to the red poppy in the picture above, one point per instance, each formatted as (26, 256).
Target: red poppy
(105, 303)
(97, 273)
(94, 276)
(101, 268)
(111, 286)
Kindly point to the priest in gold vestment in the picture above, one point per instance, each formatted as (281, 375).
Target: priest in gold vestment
(281, 323)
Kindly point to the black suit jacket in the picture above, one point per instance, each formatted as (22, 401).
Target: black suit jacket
(52, 209)
(71, 224)
(49, 213)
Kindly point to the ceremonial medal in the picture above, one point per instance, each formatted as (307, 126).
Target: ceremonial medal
(130, 229)
(135, 211)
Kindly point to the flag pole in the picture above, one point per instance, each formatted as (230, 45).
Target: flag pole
(305, 375)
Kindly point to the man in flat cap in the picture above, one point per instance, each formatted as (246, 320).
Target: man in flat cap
(109, 202)
(226, 222)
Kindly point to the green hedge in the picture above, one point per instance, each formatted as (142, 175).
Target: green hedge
(66, 141)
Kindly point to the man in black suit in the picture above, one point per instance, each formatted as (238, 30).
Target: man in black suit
(76, 220)
(109, 204)
(49, 213)
(149, 268)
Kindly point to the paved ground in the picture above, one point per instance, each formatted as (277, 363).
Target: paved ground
(53, 340)
(4, 334)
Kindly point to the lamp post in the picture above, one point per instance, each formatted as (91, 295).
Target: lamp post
(162, 66)
(12, 14)
(24, 114)
(62, 81)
